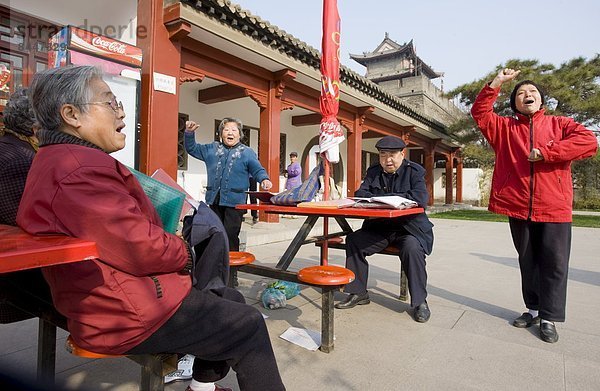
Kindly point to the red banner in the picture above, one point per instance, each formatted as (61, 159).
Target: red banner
(330, 132)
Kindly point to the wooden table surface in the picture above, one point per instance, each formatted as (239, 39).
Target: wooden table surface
(331, 212)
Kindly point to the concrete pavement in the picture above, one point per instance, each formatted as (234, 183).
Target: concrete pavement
(469, 343)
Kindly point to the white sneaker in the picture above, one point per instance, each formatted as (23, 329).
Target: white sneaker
(183, 371)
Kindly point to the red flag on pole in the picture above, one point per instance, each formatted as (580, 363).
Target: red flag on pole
(330, 132)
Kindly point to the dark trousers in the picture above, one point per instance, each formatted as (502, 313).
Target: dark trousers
(232, 221)
(544, 250)
(362, 243)
(214, 324)
(223, 333)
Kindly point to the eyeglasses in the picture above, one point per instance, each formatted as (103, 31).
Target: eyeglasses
(116, 106)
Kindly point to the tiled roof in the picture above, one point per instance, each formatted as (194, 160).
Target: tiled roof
(277, 39)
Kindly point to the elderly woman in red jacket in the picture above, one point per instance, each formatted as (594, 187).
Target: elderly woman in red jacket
(532, 185)
(137, 297)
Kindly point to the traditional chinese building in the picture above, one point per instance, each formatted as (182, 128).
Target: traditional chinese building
(225, 61)
(399, 70)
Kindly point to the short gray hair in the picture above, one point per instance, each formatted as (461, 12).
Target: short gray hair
(18, 114)
(55, 87)
(228, 120)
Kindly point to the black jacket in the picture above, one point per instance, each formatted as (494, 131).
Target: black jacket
(15, 160)
(409, 182)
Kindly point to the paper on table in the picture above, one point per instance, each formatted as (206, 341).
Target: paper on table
(393, 201)
(331, 204)
(305, 338)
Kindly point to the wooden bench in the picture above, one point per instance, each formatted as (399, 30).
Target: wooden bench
(22, 287)
(338, 243)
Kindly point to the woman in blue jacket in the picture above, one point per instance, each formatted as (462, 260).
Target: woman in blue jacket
(229, 164)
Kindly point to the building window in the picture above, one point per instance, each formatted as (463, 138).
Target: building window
(23, 50)
(182, 156)
(282, 152)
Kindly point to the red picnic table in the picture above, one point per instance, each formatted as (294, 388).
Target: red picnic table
(312, 215)
(20, 250)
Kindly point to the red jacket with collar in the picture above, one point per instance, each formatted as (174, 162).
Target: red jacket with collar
(115, 302)
(540, 191)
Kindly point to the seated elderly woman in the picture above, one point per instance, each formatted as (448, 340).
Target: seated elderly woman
(17, 149)
(137, 297)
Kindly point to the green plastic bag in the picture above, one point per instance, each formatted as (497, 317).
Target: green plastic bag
(290, 289)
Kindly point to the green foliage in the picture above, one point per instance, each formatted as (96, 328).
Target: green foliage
(571, 90)
(484, 215)
(590, 203)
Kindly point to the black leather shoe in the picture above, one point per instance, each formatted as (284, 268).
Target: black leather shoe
(422, 313)
(353, 300)
(526, 320)
(548, 332)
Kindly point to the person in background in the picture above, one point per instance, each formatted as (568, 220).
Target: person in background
(412, 234)
(293, 172)
(137, 297)
(229, 165)
(532, 185)
(18, 145)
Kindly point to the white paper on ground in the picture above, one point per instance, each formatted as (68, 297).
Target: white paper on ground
(308, 339)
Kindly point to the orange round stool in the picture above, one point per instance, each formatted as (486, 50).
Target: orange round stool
(326, 275)
(75, 350)
(238, 258)
(330, 278)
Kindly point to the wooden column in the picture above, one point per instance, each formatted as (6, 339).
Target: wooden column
(449, 177)
(158, 110)
(459, 179)
(354, 157)
(429, 162)
(271, 104)
(354, 152)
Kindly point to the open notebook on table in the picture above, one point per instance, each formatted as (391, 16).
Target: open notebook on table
(381, 202)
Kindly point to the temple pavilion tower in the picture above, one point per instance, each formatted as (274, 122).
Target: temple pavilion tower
(400, 71)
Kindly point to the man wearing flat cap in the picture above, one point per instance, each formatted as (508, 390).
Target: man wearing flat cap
(412, 234)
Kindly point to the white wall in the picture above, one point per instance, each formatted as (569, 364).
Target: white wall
(471, 193)
(194, 178)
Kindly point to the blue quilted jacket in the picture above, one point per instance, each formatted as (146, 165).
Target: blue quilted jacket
(228, 168)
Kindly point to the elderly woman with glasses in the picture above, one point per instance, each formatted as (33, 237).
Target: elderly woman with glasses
(137, 297)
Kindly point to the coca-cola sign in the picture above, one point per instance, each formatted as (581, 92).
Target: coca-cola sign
(103, 47)
(111, 46)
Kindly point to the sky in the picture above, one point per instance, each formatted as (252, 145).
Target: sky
(465, 39)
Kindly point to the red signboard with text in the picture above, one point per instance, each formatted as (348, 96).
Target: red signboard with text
(73, 38)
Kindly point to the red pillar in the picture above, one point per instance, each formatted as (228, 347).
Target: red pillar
(449, 177)
(459, 180)
(158, 111)
(270, 130)
(429, 162)
(354, 158)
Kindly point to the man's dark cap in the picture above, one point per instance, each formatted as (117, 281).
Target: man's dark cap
(391, 143)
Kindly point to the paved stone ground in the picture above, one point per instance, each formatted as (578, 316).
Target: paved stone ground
(469, 343)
